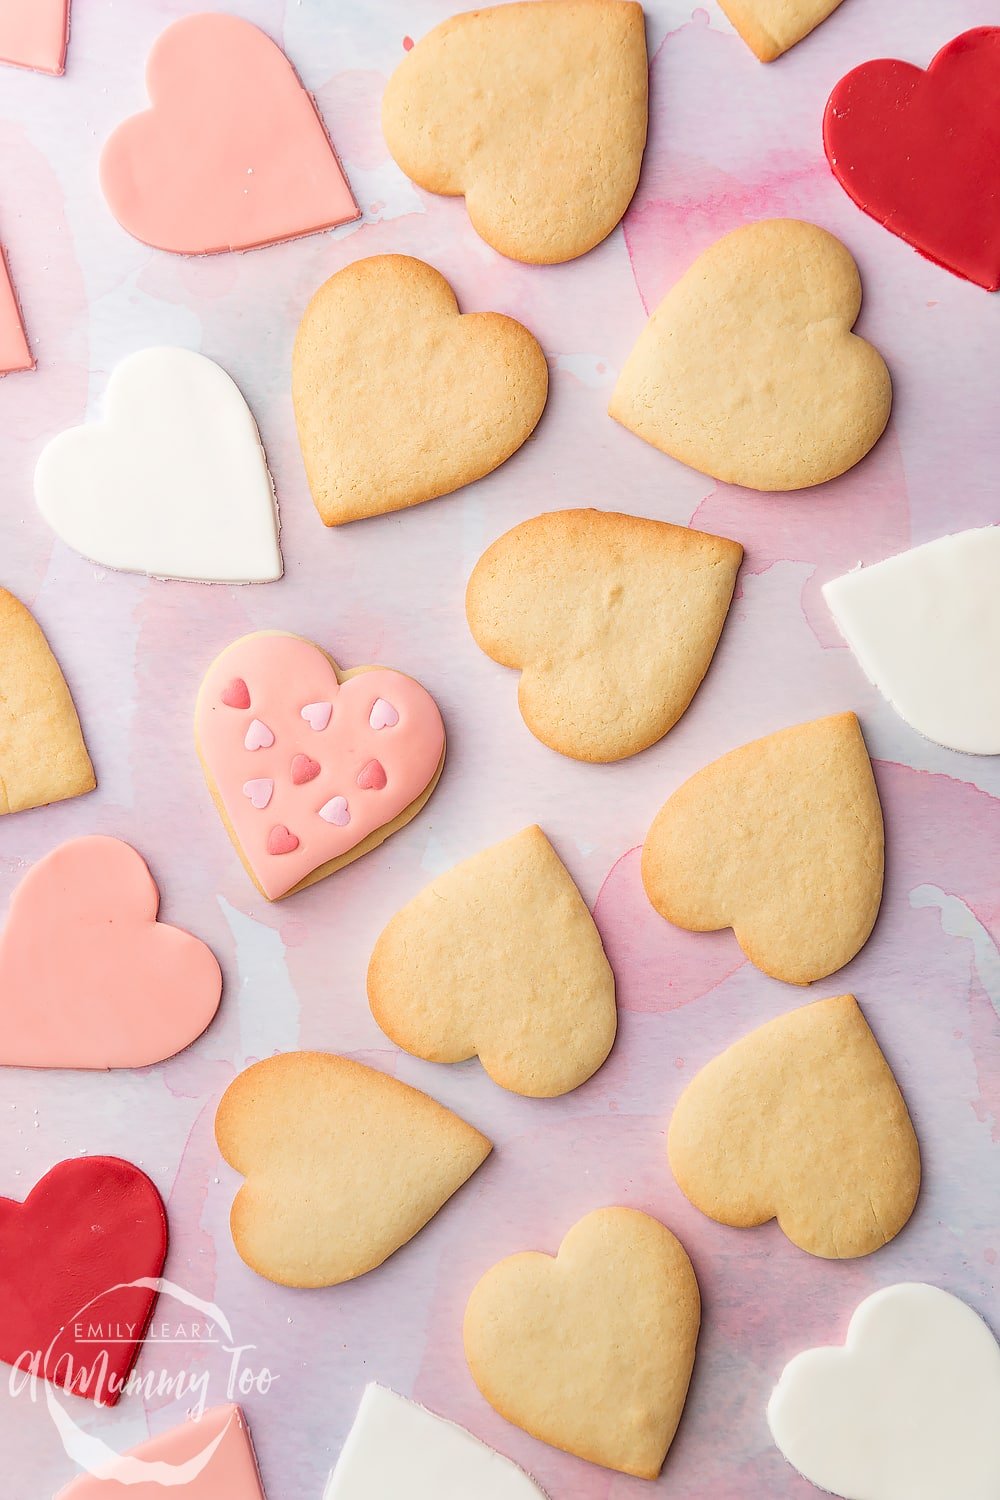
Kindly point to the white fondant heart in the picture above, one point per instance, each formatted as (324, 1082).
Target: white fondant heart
(908, 1409)
(258, 736)
(383, 715)
(260, 791)
(925, 628)
(172, 482)
(317, 715)
(336, 811)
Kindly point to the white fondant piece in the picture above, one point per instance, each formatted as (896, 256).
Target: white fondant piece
(908, 1409)
(397, 1449)
(172, 482)
(925, 628)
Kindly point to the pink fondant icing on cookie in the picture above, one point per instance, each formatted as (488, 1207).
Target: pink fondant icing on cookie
(317, 715)
(14, 351)
(210, 1459)
(303, 769)
(236, 694)
(34, 34)
(88, 977)
(383, 715)
(372, 777)
(260, 790)
(231, 155)
(258, 736)
(336, 811)
(283, 672)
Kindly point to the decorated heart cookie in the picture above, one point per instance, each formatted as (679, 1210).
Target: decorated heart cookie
(925, 628)
(499, 958)
(173, 482)
(770, 27)
(210, 1458)
(397, 1448)
(918, 151)
(907, 1409)
(42, 755)
(232, 153)
(748, 369)
(612, 621)
(88, 977)
(803, 1122)
(535, 112)
(34, 34)
(272, 704)
(782, 841)
(14, 352)
(343, 1165)
(398, 397)
(71, 1258)
(591, 1350)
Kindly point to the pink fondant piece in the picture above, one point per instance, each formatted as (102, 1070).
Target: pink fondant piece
(336, 811)
(282, 673)
(304, 769)
(372, 777)
(231, 155)
(260, 790)
(317, 715)
(34, 33)
(383, 715)
(236, 694)
(281, 841)
(211, 1459)
(88, 977)
(14, 351)
(258, 736)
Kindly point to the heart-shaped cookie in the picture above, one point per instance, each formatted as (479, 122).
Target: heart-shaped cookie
(535, 112)
(748, 369)
(612, 621)
(499, 958)
(14, 351)
(34, 34)
(907, 1409)
(918, 151)
(208, 1458)
(591, 1350)
(782, 841)
(770, 27)
(116, 988)
(398, 397)
(72, 1257)
(232, 153)
(172, 482)
(42, 755)
(272, 699)
(803, 1122)
(343, 1165)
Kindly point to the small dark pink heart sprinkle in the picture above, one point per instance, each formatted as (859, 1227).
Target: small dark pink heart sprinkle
(280, 841)
(372, 777)
(304, 769)
(236, 694)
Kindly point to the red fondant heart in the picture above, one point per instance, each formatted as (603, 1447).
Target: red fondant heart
(236, 694)
(920, 151)
(281, 841)
(304, 769)
(69, 1258)
(371, 777)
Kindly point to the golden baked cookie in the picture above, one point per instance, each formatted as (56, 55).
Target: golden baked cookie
(770, 27)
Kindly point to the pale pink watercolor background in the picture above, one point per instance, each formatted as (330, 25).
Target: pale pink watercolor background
(730, 142)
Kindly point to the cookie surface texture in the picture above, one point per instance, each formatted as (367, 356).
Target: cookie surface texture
(499, 957)
(612, 621)
(398, 397)
(748, 370)
(343, 1165)
(770, 27)
(782, 841)
(801, 1121)
(535, 112)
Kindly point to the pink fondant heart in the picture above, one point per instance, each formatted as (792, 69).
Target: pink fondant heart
(258, 736)
(283, 672)
(336, 811)
(372, 777)
(304, 769)
(236, 694)
(317, 715)
(260, 790)
(281, 841)
(383, 715)
(232, 153)
(88, 977)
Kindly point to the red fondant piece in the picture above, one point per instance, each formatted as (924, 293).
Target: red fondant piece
(304, 769)
(67, 1254)
(281, 841)
(372, 777)
(236, 694)
(920, 151)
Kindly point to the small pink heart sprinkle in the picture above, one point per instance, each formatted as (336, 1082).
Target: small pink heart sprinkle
(236, 694)
(336, 811)
(258, 736)
(317, 715)
(372, 778)
(304, 769)
(383, 715)
(280, 841)
(260, 790)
